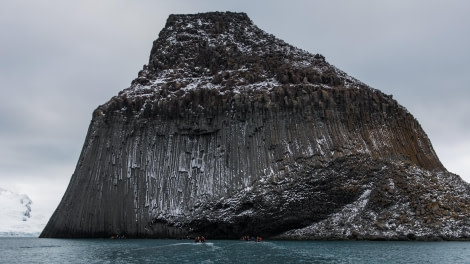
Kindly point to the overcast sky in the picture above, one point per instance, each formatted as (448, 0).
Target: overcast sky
(60, 59)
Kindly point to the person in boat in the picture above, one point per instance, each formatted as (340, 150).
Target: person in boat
(196, 239)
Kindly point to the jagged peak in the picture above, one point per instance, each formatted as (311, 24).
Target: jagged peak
(215, 17)
(227, 52)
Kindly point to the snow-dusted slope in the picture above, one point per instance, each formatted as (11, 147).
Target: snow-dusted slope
(231, 56)
(17, 217)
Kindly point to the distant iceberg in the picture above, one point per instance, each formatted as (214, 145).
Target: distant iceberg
(16, 216)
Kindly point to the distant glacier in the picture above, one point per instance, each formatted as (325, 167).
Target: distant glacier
(17, 218)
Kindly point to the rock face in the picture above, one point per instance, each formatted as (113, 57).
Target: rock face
(230, 131)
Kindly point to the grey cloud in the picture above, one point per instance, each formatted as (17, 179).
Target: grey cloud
(59, 60)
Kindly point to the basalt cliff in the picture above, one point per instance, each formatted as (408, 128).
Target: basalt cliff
(229, 131)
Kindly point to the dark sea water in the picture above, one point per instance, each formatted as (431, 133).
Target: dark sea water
(35, 250)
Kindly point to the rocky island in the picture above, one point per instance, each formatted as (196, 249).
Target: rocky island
(229, 131)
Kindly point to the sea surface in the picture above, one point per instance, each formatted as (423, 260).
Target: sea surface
(35, 250)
